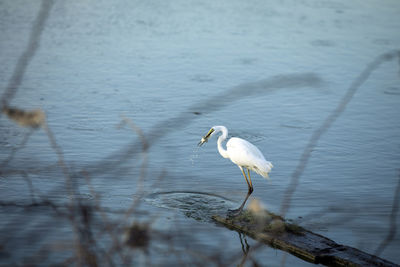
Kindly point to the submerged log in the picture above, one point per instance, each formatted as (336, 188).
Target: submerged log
(273, 230)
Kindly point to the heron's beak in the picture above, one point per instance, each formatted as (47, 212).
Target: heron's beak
(204, 139)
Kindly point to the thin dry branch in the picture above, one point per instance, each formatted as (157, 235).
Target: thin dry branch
(33, 45)
(392, 221)
(316, 136)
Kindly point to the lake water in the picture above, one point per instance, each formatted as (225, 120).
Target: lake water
(272, 72)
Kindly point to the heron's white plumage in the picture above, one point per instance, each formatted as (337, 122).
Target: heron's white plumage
(242, 153)
(247, 155)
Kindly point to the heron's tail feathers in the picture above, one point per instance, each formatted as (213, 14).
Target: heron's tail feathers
(264, 171)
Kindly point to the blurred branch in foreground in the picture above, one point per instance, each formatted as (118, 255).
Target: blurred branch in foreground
(312, 143)
(34, 118)
(392, 221)
(25, 58)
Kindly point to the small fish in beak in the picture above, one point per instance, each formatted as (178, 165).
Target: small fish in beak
(204, 139)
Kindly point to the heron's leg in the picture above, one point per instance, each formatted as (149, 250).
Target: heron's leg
(239, 210)
(251, 184)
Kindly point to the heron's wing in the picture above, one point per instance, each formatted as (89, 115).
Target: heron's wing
(243, 153)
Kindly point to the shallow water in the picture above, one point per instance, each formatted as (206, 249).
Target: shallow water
(177, 68)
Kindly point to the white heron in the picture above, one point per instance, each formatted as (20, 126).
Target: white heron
(244, 154)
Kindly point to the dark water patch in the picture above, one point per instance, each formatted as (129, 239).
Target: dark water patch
(84, 129)
(82, 196)
(392, 91)
(201, 78)
(296, 124)
(323, 43)
(247, 61)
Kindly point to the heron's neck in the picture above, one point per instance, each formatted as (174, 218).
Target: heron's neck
(221, 138)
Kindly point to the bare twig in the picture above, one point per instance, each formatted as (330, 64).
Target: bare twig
(392, 221)
(15, 149)
(28, 54)
(356, 84)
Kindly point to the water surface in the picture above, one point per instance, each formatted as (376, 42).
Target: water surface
(177, 68)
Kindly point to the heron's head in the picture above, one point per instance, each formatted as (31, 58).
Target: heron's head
(204, 139)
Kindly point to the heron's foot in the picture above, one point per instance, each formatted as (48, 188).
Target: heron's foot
(234, 212)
